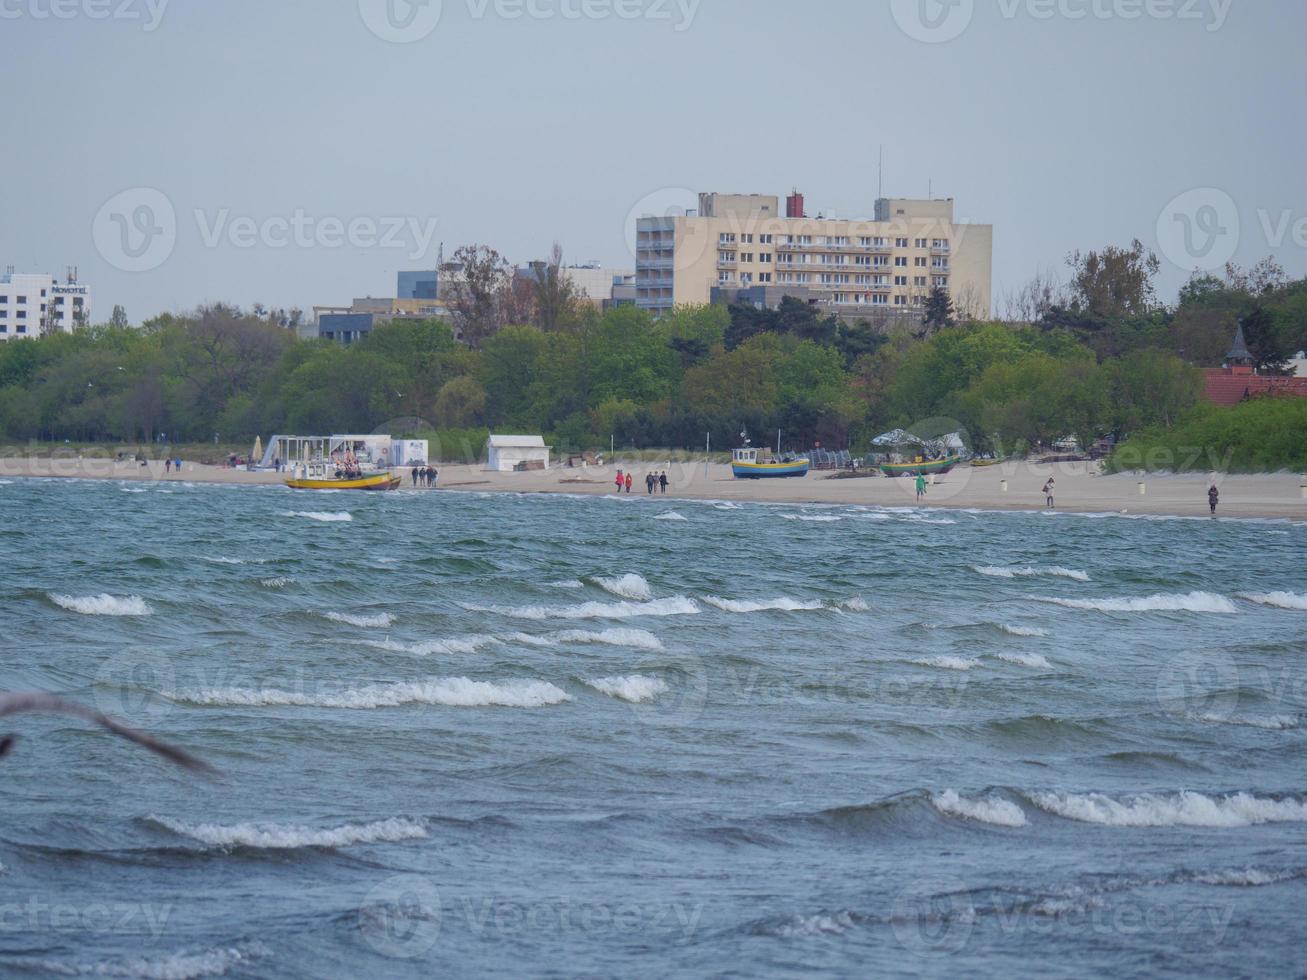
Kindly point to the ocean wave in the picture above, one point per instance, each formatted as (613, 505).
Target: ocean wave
(280, 582)
(1270, 723)
(379, 621)
(628, 586)
(812, 518)
(454, 692)
(1280, 600)
(1026, 660)
(290, 836)
(456, 646)
(633, 638)
(327, 517)
(1022, 630)
(1246, 878)
(783, 604)
(1000, 571)
(1184, 809)
(637, 689)
(569, 584)
(215, 962)
(1198, 602)
(856, 604)
(1001, 813)
(103, 604)
(674, 606)
(670, 515)
(727, 505)
(948, 663)
(224, 560)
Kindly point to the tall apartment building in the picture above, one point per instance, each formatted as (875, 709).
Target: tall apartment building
(740, 248)
(33, 305)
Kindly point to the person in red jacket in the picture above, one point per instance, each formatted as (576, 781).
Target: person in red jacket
(619, 481)
(629, 482)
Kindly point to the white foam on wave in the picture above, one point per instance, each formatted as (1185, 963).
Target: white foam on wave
(670, 515)
(224, 560)
(454, 646)
(216, 962)
(856, 604)
(327, 517)
(1057, 571)
(291, 836)
(280, 582)
(948, 663)
(812, 518)
(379, 621)
(727, 505)
(1034, 660)
(1022, 630)
(636, 689)
(633, 638)
(1184, 809)
(1198, 602)
(569, 584)
(1280, 600)
(782, 604)
(1001, 813)
(629, 586)
(454, 692)
(674, 606)
(1246, 878)
(103, 604)
(1270, 723)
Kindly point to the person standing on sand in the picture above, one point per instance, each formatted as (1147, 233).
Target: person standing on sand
(1050, 488)
(629, 481)
(649, 483)
(1213, 498)
(662, 481)
(619, 481)
(921, 487)
(167, 465)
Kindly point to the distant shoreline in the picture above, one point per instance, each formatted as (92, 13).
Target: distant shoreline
(1080, 489)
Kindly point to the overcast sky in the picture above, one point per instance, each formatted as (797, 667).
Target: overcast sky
(1065, 123)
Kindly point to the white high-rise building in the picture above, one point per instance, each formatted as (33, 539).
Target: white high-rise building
(35, 305)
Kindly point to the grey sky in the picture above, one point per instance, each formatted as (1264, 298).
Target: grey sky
(1064, 131)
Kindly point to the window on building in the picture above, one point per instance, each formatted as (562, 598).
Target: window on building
(900, 280)
(746, 278)
(941, 281)
(900, 243)
(746, 256)
(764, 257)
(21, 314)
(746, 239)
(43, 294)
(726, 238)
(901, 262)
(764, 239)
(764, 277)
(919, 280)
(900, 301)
(22, 328)
(919, 262)
(22, 299)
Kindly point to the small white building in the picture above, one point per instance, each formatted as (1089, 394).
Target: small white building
(39, 305)
(504, 454)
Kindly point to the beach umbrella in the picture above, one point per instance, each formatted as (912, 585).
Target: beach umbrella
(257, 455)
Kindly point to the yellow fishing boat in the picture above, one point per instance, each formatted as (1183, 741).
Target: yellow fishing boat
(322, 476)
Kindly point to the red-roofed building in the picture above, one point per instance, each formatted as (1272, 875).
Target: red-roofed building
(1238, 381)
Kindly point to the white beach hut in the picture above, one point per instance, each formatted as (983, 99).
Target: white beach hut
(504, 454)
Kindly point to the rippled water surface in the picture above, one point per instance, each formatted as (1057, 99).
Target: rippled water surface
(478, 734)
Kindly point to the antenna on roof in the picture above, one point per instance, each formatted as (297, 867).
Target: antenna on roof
(880, 175)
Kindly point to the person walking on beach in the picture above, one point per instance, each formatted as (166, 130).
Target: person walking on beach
(921, 487)
(662, 481)
(620, 481)
(1050, 488)
(415, 476)
(167, 465)
(1213, 498)
(629, 482)
(649, 484)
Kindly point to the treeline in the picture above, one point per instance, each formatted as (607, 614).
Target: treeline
(1095, 357)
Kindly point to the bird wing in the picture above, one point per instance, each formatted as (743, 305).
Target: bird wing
(12, 704)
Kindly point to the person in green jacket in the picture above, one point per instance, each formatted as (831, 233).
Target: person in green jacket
(921, 486)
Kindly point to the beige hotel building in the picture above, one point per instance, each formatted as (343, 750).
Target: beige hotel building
(740, 248)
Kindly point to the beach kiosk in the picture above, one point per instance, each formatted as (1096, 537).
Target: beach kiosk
(512, 454)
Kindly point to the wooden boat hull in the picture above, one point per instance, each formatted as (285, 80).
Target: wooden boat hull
(373, 481)
(770, 471)
(916, 469)
(986, 462)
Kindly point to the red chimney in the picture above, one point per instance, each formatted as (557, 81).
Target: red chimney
(794, 205)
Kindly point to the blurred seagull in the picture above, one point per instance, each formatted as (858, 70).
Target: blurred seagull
(13, 704)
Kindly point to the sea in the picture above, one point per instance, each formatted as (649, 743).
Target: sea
(472, 734)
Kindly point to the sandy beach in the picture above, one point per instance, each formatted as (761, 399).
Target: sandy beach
(1009, 486)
